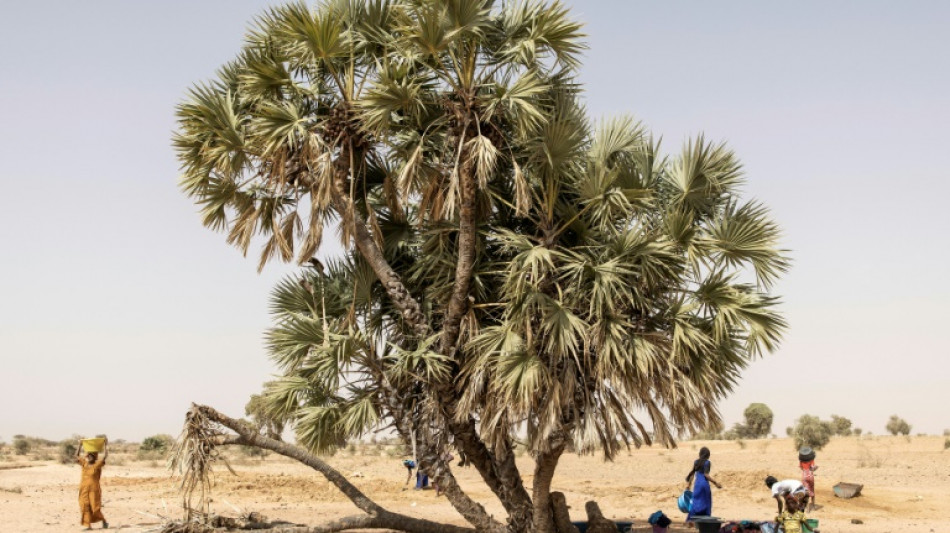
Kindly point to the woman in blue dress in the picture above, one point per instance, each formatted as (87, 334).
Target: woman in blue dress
(700, 480)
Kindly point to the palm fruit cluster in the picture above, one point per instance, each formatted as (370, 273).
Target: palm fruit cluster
(342, 123)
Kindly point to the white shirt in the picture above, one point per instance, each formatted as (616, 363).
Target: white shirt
(787, 486)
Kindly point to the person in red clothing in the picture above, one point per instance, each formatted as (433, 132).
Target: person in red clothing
(806, 461)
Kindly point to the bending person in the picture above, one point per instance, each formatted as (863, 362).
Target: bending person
(790, 492)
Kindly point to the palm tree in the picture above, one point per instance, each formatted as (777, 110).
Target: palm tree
(639, 292)
(327, 110)
(507, 271)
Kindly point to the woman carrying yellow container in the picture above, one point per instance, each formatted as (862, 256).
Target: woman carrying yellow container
(90, 493)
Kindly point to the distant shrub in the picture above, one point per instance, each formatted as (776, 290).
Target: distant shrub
(155, 446)
(67, 451)
(946, 433)
(946, 443)
(898, 426)
(811, 431)
(21, 446)
(857, 431)
(842, 425)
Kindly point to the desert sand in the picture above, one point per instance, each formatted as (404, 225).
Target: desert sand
(905, 480)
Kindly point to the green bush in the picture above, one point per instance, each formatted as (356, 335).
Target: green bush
(21, 446)
(811, 431)
(946, 443)
(898, 426)
(157, 444)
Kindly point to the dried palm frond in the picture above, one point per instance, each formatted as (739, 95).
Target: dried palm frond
(193, 457)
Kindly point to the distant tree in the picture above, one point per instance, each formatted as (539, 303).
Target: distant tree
(898, 426)
(21, 446)
(841, 425)
(157, 443)
(758, 421)
(811, 431)
(857, 431)
(737, 432)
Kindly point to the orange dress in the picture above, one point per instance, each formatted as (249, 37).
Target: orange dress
(90, 493)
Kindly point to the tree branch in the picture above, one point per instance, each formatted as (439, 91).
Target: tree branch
(376, 516)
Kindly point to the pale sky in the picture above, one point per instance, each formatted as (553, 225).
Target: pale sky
(118, 309)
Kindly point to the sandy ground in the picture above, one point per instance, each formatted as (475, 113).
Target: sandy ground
(904, 479)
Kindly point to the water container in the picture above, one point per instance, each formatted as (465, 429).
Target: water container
(93, 445)
(708, 524)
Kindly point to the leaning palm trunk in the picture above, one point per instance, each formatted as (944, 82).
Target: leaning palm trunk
(202, 423)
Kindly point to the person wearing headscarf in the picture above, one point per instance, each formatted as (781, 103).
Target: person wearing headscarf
(90, 492)
(700, 479)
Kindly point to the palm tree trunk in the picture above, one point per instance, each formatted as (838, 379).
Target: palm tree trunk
(562, 517)
(544, 467)
(384, 520)
(499, 472)
(458, 301)
(376, 516)
(397, 291)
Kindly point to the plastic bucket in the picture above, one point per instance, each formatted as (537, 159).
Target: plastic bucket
(708, 524)
(93, 445)
(806, 454)
(684, 501)
(811, 524)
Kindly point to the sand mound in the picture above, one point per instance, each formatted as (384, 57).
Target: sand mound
(748, 480)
